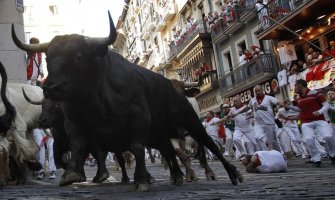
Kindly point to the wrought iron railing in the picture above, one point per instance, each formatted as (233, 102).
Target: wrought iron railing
(195, 29)
(260, 64)
(210, 81)
(231, 17)
(277, 10)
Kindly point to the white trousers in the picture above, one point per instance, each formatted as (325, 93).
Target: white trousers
(229, 141)
(284, 140)
(266, 134)
(294, 134)
(38, 137)
(321, 131)
(250, 141)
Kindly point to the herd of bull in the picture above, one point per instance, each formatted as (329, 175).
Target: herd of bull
(97, 102)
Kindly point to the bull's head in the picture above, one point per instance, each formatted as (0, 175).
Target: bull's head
(51, 113)
(67, 57)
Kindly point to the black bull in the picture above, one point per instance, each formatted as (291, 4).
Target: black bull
(112, 104)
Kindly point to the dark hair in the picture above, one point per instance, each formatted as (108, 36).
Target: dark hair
(301, 82)
(34, 40)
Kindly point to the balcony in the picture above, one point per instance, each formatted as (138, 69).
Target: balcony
(164, 62)
(172, 53)
(190, 34)
(159, 23)
(298, 14)
(210, 82)
(169, 12)
(257, 67)
(232, 20)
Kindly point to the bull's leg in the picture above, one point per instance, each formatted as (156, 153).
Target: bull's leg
(190, 175)
(198, 132)
(120, 158)
(102, 172)
(210, 175)
(169, 153)
(74, 171)
(141, 175)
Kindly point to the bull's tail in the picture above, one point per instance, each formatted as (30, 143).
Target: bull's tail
(8, 117)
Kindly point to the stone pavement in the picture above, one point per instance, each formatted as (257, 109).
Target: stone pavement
(302, 181)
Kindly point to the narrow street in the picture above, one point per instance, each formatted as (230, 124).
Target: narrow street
(302, 181)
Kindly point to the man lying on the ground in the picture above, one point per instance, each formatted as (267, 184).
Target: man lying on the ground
(265, 162)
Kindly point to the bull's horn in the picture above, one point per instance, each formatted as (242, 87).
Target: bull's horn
(29, 100)
(29, 47)
(191, 84)
(105, 40)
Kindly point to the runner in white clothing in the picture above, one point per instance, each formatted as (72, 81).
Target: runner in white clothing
(212, 127)
(290, 126)
(242, 128)
(265, 127)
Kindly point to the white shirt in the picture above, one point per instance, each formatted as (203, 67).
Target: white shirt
(282, 78)
(212, 129)
(241, 121)
(263, 112)
(242, 60)
(194, 104)
(287, 113)
(291, 80)
(271, 161)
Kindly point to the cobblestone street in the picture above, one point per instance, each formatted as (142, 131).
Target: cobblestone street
(302, 181)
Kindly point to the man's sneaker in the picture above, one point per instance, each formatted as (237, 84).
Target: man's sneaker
(40, 175)
(52, 175)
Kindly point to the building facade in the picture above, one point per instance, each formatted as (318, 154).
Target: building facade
(11, 12)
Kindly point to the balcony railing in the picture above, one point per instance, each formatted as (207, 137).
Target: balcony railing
(277, 10)
(172, 51)
(169, 11)
(231, 17)
(210, 81)
(194, 30)
(261, 64)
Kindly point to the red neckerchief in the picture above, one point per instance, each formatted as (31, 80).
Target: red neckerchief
(208, 119)
(260, 99)
(306, 92)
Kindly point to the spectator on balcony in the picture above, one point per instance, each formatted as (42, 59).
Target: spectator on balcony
(316, 58)
(242, 58)
(330, 51)
(205, 21)
(262, 11)
(309, 57)
(211, 21)
(301, 66)
(256, 51)
(248, 55)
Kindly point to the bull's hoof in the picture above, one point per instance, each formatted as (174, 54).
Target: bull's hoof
(210, 176)
(239, 176)
(151, 180)
(125, 179)
(190, 176)
(142, 187)
(178, 181)
(101, 178)
(235, 177)
(71, 177)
